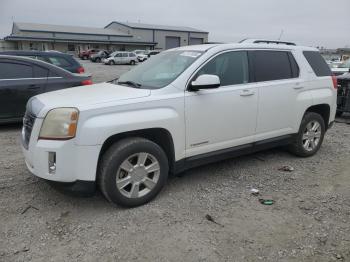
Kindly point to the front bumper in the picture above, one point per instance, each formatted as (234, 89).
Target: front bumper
(73, 162)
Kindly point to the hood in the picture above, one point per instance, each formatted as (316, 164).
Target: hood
(91, 94)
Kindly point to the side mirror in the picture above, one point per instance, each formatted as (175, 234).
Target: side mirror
(205, 82)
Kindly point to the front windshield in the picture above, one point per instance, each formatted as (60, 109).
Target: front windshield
(160, 70)
(346, 64)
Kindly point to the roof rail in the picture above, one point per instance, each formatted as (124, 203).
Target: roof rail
(261, 41)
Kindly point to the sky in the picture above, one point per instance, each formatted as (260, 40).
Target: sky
(321, 23)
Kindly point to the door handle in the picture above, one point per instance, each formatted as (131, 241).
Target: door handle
(246, 92)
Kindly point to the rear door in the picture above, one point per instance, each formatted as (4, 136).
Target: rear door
(17, 85)
(125, 58)
(277, 76)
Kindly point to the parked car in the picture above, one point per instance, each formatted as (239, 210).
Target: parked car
(85, 54)
(21, 78)
(184, 107)
(56, 58)
(121, 58)
(142, 55)
(99, 56)
(343, 101)
(342, 68)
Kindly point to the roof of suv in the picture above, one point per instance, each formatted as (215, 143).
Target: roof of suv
(249, 45)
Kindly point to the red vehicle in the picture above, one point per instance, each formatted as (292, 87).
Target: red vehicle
(86, 53)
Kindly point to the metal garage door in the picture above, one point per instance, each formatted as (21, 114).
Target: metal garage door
(196, 41)
(172, 42)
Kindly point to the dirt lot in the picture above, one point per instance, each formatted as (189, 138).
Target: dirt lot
(309, 221)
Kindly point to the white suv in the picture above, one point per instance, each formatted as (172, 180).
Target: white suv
(185, 107)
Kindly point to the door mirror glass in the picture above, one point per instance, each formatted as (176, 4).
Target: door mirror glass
(205, 82)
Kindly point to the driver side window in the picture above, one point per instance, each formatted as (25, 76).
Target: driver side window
(230, 67)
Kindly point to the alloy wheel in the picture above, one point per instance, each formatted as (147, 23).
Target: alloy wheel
(138, 175)
(312, 135)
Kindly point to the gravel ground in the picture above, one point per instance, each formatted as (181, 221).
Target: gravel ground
(309, 221)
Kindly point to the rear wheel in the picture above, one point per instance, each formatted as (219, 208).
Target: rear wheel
(310, 136)
(133, 171)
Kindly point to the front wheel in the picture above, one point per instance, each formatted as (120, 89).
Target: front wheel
(133, 171)
(98, 60)
(132, 62)
(310, 136)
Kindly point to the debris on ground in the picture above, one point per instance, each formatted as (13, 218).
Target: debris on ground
(27, 208)
(286, 168)
(211, 219)
(254, 191)
(267, 202)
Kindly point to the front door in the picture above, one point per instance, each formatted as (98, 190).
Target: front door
(224, 117)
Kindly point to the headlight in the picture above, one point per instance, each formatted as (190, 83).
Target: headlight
(60, 124)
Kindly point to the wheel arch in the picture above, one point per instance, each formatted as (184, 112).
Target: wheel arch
(160, 136)
(323, 110)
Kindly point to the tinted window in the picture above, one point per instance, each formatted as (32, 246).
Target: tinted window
(271, 65)
(317, 63)
(294, 65)
(58, 61)
(40, 71)
(125, 54)
(230, 67)
(132, 55)
(15, 70)
(118, 55)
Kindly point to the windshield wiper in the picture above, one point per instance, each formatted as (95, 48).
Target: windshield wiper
(112, 80)
(130, 83)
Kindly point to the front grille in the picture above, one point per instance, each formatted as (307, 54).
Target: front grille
(28, 123)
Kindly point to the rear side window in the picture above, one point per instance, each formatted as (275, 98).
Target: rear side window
(271, 65)
(58, 61)
(317, 63)
(125, 54)
(40, 71)
(15, 70)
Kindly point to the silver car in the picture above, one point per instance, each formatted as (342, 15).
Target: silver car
(121, 58)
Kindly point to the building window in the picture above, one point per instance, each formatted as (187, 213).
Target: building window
(71, 47)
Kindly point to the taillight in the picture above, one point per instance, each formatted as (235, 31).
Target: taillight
(335, 81)
(86, 82)
(80, 70)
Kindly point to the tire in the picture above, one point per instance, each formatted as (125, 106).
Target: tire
(308, 132)
(339, 113)
(132, 191)
(98, 60)
(132, 62)
(111, 62)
